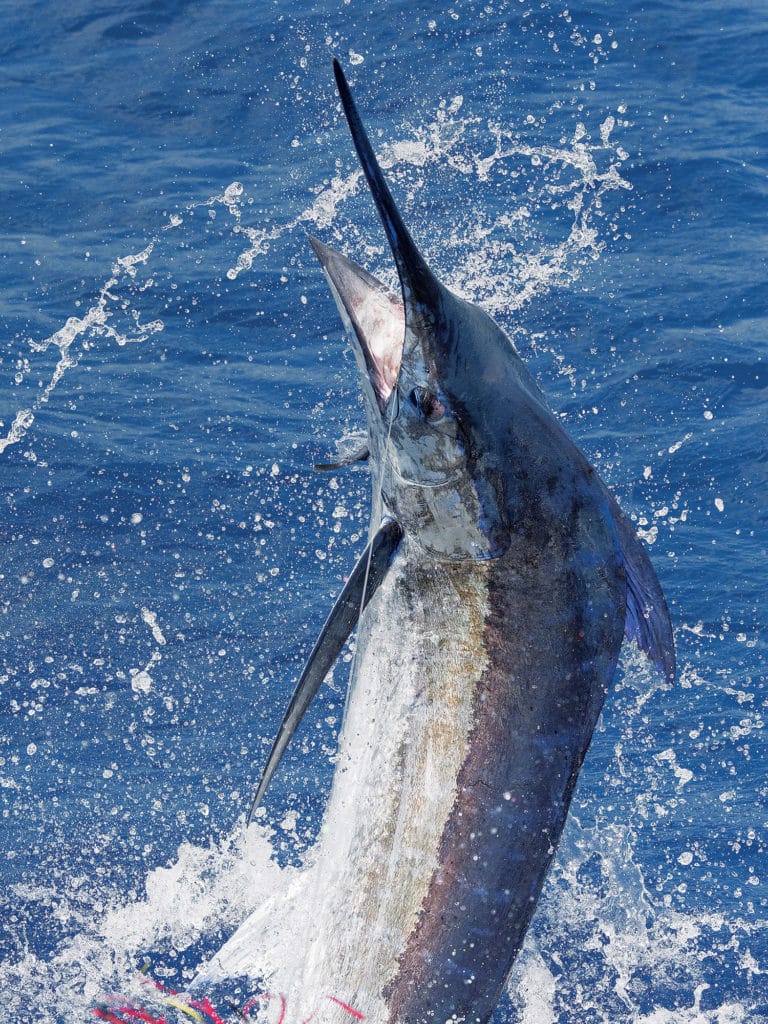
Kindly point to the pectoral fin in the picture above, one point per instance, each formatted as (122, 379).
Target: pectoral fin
(366, 577)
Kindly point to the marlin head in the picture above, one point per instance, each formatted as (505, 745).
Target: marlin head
(418, 353)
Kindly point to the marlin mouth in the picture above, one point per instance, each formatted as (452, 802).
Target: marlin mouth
(376, 318)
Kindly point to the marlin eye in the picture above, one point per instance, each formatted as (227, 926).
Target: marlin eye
(429, 405)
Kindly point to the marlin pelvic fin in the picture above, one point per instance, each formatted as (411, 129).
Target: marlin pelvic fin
(647, 620)
(366, 577)
(360, 454)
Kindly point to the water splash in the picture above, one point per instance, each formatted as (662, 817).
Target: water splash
(502, 262)
(112, 316)
(203, 890)
(596, 892)
(600, 948)
(96, 323)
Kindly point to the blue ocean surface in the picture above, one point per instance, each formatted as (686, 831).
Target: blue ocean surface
(172, 365)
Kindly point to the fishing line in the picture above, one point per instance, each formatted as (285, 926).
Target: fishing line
(376, 504)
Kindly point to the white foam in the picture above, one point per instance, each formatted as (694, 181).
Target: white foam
(95, 323)
(151, 620)
(203, 890)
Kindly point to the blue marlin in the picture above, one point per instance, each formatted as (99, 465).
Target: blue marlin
(490, 604)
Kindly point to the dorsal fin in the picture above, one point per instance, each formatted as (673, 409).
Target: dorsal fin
(647, 620)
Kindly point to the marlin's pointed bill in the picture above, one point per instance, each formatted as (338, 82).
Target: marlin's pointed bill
(416, 279)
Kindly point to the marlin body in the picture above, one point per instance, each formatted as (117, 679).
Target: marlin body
(497, 586)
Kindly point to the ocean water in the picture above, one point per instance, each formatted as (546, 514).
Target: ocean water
(171, 365)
